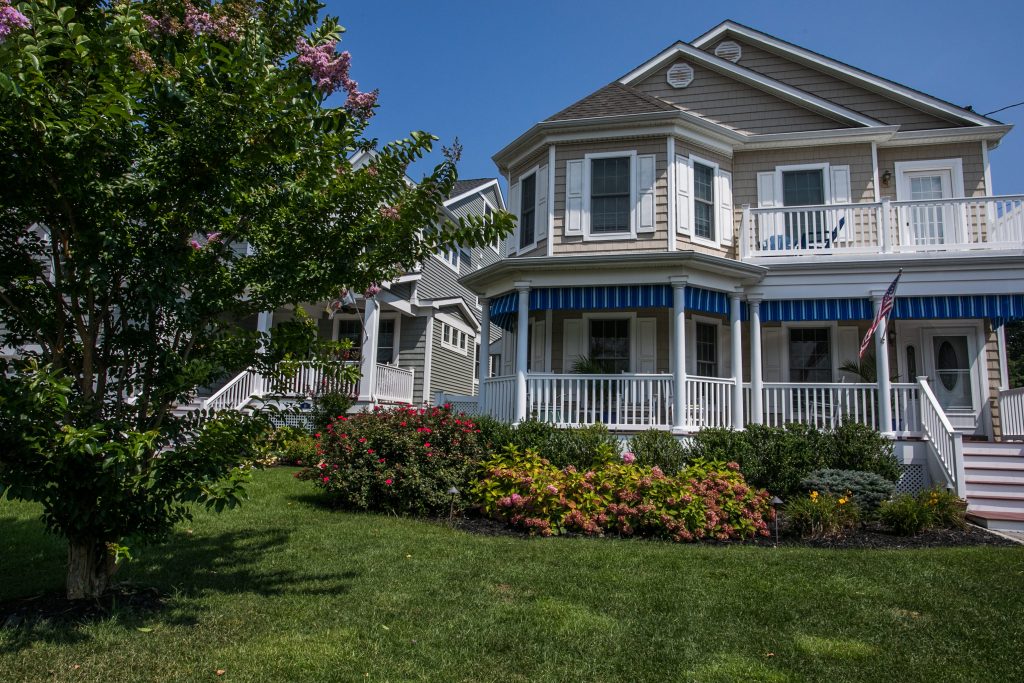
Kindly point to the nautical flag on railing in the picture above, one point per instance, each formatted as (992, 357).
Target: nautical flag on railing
(888, 300)
(836, 230)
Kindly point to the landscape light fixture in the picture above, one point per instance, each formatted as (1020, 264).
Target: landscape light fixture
(776, 504)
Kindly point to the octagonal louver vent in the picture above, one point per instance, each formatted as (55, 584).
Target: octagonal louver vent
(729, 51)
(679, 75)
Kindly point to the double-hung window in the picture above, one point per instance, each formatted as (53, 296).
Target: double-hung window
(609, 344)
(707, 349)
(810, 354)
(610, 195)
(704, 201)
(527, 210)
(386, 340)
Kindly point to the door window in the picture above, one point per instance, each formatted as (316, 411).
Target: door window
(804, 188)
(707, 350)
(953, 372)
(386, 340)
(609, 344)
(928, 223)
(810, 354)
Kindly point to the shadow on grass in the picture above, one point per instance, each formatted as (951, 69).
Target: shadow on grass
(177, 576)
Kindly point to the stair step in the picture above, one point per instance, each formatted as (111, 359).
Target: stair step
(1002, 520)
(992, 459)
(982, 467)
(989, 478)
(1017, 495)
(994, 448)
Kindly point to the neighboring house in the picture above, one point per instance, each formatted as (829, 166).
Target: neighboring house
(419, 336)
(712, 233)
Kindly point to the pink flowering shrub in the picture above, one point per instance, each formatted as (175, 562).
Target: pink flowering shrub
(330, 72)
(402, 460)
(704, 501)
(10, 19)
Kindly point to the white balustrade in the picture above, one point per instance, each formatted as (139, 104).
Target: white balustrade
(624, 401)
(960, 224)
(906, 409)
(1011, 413)
(500, 398)
(708, 402)
(394, 384)
(824, 406)
(946, 446)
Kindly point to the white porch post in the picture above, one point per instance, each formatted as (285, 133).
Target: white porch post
(736, 308)
(264, 323)
(1004, 368)
(678, 353)
(368, 351)
(882, 370)
(522, 348)
(485, 354)
(756, 374)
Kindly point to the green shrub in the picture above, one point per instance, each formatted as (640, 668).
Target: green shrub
(402, 460)
(289, 446)
(718, 444)
(908, 515)
(657, 447)
(867, 489)
(818, 515)
(853, 446)
(707, 500)
(582, 446)
(328, 405)
(494, 434)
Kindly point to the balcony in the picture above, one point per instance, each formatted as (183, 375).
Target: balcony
(886, 227)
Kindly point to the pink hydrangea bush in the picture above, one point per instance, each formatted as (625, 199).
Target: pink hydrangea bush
(403, 460)
(704, 501)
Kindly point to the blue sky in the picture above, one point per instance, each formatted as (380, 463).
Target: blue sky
(486, 72)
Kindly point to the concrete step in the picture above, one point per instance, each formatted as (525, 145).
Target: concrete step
(998, 520)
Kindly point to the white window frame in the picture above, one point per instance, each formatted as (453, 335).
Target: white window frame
(496, 244)
(631, 316)
(588, 235)
(833, 345)
(717, 324)
(468, 336)
(397, 317)
(954, 166)
(452, 258)
(535, 171)
(395, 350)
(715, 204)
(826, 179)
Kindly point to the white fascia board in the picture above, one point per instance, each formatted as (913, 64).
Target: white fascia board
(396, 303)
(836, 68)
(841, 136)
(459, 303)
(944, 135)
(476, 190)
(750, 77)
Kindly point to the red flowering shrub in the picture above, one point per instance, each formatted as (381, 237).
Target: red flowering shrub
(704, 500)
(402, 460)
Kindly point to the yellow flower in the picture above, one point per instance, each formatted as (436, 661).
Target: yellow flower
(814, 496)
(842, 501)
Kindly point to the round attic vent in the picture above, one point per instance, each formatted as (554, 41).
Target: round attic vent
(679, 75)
(729, 51)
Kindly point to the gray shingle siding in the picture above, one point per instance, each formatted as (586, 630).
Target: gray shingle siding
(452, 372)
(412, 343)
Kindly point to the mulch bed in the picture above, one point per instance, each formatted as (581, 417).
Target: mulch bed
(868, 537)
(54, 608)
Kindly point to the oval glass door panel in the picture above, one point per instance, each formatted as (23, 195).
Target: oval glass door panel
(953, 370)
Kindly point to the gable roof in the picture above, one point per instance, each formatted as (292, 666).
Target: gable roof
(464, 186)
(750, 77)
(844, 71)
(613, 99)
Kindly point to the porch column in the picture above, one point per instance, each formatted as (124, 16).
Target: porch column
(368, 351)
(522, 348)
(736, 308)
(264, 323)
(1004, 368)
(882, 370)
(756, 375)
(678, 353)
(485, 354)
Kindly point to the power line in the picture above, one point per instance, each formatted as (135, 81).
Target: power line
(1010, 106)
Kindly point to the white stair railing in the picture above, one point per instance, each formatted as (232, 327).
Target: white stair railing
(236, 393)
(946, 445)
(1011, 413)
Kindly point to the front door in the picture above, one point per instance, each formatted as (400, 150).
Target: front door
(953, 375)
(927, 224)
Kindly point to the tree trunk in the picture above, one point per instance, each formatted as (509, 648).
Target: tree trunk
(90, 566)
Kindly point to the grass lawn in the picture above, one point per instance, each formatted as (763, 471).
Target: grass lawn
(284, 590)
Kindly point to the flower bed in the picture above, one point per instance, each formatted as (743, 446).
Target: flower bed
(706, 500)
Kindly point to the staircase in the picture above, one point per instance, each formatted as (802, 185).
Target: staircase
(995, 484)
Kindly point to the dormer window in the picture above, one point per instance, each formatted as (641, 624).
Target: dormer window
(527, 211)
(609, 195)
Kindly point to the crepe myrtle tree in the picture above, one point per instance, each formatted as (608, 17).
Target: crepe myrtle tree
(169, 170)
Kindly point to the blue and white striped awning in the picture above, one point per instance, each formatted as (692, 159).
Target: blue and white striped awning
(503, 308)
(997, 307)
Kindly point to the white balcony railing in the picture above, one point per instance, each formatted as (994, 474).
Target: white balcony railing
(962, 224)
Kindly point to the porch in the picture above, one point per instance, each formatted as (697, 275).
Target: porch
(884, 227)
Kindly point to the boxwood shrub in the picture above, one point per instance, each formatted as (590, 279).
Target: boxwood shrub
(661, 448)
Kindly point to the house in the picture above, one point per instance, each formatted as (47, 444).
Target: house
(704, 242)
(416, 337)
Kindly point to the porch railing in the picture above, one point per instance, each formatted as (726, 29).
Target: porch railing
(946, 445)
(824, 406)
(394, 384)
(708, 402)
(960, 224)
(906, 409)
(623, 401)
(500, 398)
(1011, 413)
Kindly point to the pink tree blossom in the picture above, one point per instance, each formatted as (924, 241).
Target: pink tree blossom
(330, 71)
(11, 19)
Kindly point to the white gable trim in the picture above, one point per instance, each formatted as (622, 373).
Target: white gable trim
(749, 77)
(828, 65)
(479, 189)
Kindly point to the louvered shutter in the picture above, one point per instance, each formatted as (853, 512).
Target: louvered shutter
(840, 177)
(645, 193)
(512, 241)
(540, 215)
(574, 197)
(725, 220)
(572, 342)
(684, 186)
(646, 345)
(766, 190)
(840, 180)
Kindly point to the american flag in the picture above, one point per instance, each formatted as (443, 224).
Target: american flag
(883, 312)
